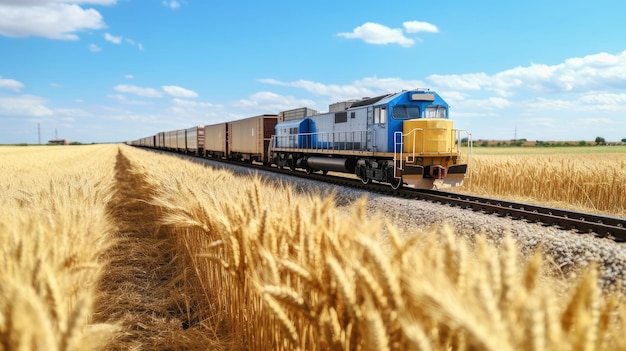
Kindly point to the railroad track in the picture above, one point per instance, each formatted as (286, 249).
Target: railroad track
(612, 228)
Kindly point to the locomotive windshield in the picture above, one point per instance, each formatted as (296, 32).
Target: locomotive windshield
(405, 112)
(435, 111)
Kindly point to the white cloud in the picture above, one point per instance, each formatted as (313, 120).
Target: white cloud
(417, 26)
(94, 48)
(171, 90)
(596, 72)
(366, 87)
(191, 103)
(134, 43)
(374, 33)
(471, 81)
(45, 2)
(180, 106)
(129, 76)
(124, 100)
(268, 102)
(113, 39)
(604, 99)
(53, 20)
(139, 91)
(10, 84)
(540, 104)
(25, 105)
(179, 92)
(173, 4)
(70, 114)
(490, 103)
(191, 112)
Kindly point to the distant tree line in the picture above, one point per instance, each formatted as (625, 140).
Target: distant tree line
(539, 143)
(48, 144)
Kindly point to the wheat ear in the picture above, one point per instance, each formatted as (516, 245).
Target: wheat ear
(281, 316)
(344, 281)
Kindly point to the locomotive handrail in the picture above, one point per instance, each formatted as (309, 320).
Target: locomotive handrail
(414, 132)
(399, 136)
(398, 141)
(470, 149)
(336, 140)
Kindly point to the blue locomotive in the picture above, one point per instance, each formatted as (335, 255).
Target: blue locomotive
(404, 138)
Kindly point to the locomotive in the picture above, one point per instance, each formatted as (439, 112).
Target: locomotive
(403, 139)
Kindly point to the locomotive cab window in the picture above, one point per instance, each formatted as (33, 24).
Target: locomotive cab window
(380, 115)
(436, 111)
(405, 112)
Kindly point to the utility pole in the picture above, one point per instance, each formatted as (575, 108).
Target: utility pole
(515, 135)
(39, 133)
(56, 135)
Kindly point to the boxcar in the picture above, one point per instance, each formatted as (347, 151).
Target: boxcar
(195, 140)
(249, 138)
(181, 140)
(171, 140)
(216, 140)
(160, 140)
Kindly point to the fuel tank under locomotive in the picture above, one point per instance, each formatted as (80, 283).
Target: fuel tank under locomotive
(317, 163)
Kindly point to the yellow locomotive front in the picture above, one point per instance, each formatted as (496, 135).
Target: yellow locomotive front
(428, 154)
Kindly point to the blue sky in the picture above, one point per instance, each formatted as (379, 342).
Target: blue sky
(117, 70)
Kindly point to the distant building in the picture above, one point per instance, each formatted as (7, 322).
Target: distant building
(59, 141)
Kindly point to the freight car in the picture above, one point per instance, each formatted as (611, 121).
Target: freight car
(159, 142)
(171, 142)
(215, 141)
(145, 142)
(249, 138)
(403, 138)
(194, 140)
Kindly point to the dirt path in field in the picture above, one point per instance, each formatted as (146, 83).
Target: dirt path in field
(139, 289)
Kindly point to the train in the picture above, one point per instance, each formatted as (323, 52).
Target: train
(404, 139)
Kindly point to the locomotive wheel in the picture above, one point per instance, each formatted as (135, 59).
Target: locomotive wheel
(308, 170)
(396, 183)
(360, 172)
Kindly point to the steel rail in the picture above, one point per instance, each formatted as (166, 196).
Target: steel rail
(613, 228)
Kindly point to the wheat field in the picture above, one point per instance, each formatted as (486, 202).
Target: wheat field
(583, 181)
(145, 251)
(54, 226)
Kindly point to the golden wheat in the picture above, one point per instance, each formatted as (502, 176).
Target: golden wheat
(54, 228)
(285, 270)
(584, 182)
